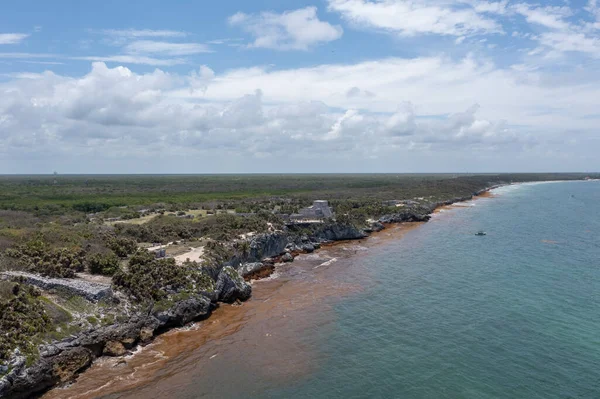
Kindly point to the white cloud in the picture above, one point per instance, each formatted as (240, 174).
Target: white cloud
(27, 55)
(24, 75)
(131, 114)
(492, 7)
(122, 59)
(557, 33)
(571, 41)
(165, 48)
(292, 30)
(549, 17)
(250, 114)
(42, 62)
(12, 38)
(355, 92)
(140, 33)
(133, 59)
(593, 7)
(137, 48)
(412, 17)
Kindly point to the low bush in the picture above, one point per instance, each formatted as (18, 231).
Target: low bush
(221, 227)
(150, 279)
(37, 256)
(122, 246)
(104, 264)
(22, 317)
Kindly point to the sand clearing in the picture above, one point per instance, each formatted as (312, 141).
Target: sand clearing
(194, 254)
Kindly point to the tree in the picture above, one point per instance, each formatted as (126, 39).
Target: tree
(242, 250)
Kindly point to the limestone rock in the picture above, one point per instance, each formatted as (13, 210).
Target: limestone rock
(184, 312)
(129, 342)
(146, 334)
(231, 286)
(406, 216)
(308, 248)
(377, 226)
(66, 365)
(114, 348)
(267, 245)
(337, 232)
(90, 291)
(250, 268)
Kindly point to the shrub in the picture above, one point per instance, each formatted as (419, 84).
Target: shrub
(150, 279)
(38, 257)
(22, 317)
(122, 246)
(91, 207)
(104, 264)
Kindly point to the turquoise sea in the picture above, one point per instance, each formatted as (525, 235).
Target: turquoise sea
(514, 314)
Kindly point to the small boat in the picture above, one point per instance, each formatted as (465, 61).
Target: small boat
(480, 233)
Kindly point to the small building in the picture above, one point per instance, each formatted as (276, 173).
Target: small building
(320, 209)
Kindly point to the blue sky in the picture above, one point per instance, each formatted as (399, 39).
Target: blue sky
(299, 86)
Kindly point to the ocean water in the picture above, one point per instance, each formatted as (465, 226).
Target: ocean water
(513, 314)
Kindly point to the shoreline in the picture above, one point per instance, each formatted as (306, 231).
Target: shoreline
(375, 234)
(308, 283)
(229, 314)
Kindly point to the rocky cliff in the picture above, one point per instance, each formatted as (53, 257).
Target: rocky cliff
(59, 362)
(267, 245)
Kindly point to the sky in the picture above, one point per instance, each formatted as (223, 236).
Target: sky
(328, 86)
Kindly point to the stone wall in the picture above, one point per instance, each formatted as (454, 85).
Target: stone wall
(90, 291)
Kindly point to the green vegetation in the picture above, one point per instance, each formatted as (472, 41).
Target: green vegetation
(221, 227)
(44, 227)
(121, 246)
(38, 256)
(105, 264)
(147, 278)
(22, 318)
(88, 194)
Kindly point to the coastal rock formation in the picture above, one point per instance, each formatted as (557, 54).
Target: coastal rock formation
(405, 216)
(337, 232)
(267, 245)
(45, 373)
(247, 269)
(374, 226)
(231, 286)
(146, 334)
(97, 339)
(256, 270)
(377, 226)
(308, 248)
(184, 312)
(90, 291)
(114, 348)
(61, 361)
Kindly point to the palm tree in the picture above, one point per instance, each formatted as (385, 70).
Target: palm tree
(242, 250)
